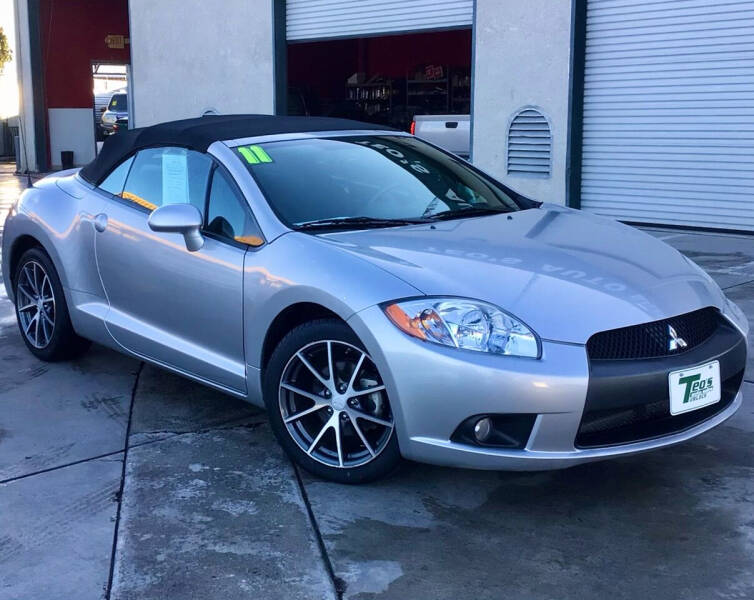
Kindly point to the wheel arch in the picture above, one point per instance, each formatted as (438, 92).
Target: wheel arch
(288, 319)
(60, 223)
(27, 238)
(20, 245)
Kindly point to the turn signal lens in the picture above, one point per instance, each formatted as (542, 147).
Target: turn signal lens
(399, 317)
(465, 324)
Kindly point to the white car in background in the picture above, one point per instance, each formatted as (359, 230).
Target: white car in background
(117, 108)
(450, 132)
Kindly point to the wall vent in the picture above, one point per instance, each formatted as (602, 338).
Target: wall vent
(529, 144)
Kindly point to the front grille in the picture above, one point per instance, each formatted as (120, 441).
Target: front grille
(651, 340)
(629, 400)
(646, 421)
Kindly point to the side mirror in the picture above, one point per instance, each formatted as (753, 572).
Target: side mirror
(179, 218)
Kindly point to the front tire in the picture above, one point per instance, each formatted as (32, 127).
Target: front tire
(328, 405)
(41, 310)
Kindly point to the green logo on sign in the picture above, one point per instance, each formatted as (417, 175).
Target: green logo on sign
(688, 382)
(694, 383)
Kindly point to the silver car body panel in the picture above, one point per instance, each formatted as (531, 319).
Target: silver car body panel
(172, 308)
(206, 314)
(554, 262)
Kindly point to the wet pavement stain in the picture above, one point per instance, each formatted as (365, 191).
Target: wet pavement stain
(734, 263)
(112, 406)
(209, 516)
(673, 524)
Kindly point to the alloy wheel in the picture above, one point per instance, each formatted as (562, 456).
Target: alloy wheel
(334, 404)
(35, 304)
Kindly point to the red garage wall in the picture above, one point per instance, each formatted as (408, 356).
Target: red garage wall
(392, 55)
(73, 36)
(324, 66)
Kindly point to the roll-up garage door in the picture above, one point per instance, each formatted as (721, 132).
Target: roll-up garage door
(322, 19)
(668, 130)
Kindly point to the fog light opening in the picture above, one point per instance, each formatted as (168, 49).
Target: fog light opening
(483, 429)
(510, 431)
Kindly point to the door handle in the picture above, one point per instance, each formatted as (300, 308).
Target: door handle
(100, 222)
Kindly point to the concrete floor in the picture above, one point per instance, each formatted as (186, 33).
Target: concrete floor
(118, 480)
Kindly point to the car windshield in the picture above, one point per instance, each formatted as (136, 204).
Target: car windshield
(118, 103)
(370, 181)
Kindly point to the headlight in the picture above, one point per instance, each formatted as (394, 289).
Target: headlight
(466, 324)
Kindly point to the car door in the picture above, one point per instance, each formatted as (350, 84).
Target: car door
(179, 308)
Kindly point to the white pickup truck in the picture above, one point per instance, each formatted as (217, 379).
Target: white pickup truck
(451, 132)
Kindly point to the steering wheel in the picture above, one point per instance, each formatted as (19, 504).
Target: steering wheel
(372, 203)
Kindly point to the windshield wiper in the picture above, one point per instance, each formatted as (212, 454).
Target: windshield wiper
(356, 223)
(460, 213)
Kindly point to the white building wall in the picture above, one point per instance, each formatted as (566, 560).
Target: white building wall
(71, 129)
(26, 95)
(522, 58)
(188, 56)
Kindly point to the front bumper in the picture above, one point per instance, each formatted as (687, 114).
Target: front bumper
(433, 389)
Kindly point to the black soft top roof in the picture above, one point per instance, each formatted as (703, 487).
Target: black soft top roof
(200, 133)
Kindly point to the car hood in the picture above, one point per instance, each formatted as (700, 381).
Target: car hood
(565, 273)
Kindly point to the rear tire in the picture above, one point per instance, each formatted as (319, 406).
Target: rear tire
(41, 310)
(329, 410)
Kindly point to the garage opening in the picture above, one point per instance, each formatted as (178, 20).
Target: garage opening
(108, 80)
(387, 79)
(82, 45)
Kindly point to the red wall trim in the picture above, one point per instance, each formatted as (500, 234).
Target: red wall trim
(73, 36)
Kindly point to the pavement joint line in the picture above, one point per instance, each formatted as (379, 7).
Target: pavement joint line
(172, 434)
(339, 586)
(57, 467)
(169, 435)
(109, 587)
(738, 284)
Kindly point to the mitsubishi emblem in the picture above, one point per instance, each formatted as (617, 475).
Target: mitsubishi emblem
(675, 342)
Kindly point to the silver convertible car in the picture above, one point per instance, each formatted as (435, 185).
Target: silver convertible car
(379, 296)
